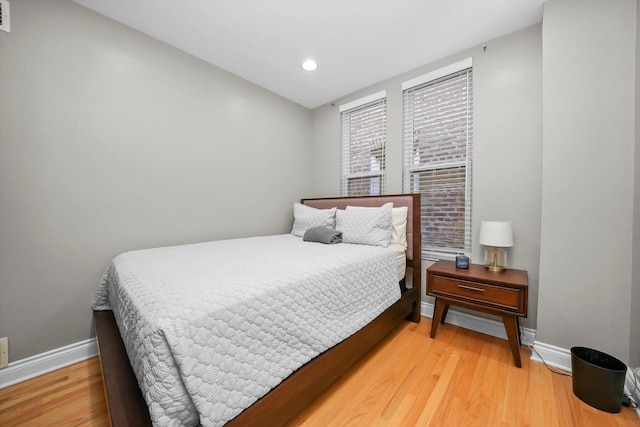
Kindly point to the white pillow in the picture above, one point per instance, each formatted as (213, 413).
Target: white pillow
(365, 226)
(398, 223)
(306, 217)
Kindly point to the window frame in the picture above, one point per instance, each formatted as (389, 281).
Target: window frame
(410, 169)
(347, 111)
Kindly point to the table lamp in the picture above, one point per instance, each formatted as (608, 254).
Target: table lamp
(497, 236)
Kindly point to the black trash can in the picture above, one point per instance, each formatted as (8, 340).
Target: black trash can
(598, 379)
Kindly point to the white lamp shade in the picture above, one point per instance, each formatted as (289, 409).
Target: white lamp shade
(496, 233)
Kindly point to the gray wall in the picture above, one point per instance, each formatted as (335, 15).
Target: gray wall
(112, 141)
(507, 142)
(588, 171)
(634, 340)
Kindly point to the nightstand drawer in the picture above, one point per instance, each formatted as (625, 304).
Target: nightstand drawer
(479, 293)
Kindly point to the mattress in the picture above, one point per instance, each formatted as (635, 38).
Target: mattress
(401, 259)
(212, 327)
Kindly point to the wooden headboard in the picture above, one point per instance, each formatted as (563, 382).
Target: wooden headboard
(412, 201)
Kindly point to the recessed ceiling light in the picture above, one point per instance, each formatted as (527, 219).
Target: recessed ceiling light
(309, 65)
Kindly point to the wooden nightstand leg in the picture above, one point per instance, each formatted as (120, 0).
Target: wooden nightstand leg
(444, 313)
(440, 309)
(511, 326)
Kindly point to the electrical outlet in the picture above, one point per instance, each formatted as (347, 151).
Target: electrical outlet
(4, 16)
(4, 352)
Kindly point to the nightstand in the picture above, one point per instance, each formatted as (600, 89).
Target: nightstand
(505, 294)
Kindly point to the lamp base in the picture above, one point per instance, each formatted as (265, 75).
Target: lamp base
(495, 259)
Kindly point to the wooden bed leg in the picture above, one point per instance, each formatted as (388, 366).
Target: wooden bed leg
(417, 287)
(415, 315)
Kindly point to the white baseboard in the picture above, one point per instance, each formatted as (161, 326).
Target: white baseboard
(43, 363)
(492, 327)
(557, 357)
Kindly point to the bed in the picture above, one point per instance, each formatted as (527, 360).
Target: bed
(126, 403)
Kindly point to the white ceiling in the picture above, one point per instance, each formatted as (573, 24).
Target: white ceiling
(355, 42)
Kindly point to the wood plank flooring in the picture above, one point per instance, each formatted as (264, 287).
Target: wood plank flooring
(73, 396)
(461, 378)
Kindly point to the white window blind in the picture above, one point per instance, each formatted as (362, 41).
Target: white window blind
(438, 136)
(364, 134)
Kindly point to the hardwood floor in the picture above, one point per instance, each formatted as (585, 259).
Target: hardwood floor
(462, 378)
(73, 396)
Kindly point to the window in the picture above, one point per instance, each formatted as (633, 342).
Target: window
(438, 135)
(364, 134)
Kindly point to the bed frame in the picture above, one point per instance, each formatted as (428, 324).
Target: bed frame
(127, 406)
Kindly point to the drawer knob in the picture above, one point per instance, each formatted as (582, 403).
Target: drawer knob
(470, 288)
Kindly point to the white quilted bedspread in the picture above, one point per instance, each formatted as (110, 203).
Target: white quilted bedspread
(210, 328)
